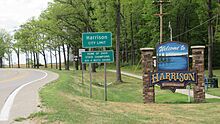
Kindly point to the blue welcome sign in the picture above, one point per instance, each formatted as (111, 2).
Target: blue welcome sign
(172, 56)
(172, 66)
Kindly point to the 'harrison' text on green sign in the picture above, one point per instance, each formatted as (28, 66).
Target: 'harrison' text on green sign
(96, 39)
(98, 57)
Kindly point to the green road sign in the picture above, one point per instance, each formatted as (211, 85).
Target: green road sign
(96, 39)
(98, 57)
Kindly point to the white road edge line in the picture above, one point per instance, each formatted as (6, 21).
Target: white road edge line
(4, 115)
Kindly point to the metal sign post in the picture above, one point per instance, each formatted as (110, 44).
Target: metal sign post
(98, 57)
(90, 75)
(97, 40)
(82, 73)
(105, 83)
(80, 55)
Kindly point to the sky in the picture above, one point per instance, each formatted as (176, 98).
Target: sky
(14, 13)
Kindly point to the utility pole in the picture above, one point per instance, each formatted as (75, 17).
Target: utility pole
(210, 37)
(161, 14)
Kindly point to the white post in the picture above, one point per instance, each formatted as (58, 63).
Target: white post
(189, 93)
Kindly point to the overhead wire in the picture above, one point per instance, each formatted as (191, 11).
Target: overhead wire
(197, 26)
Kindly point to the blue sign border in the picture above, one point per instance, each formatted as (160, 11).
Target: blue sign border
(184, 59)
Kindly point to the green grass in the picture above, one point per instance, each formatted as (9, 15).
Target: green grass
(66, 101)
(20, 119)
(136, 69)
(215, 91)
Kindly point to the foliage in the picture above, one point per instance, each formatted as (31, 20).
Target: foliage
(5, 43)
(65, 20)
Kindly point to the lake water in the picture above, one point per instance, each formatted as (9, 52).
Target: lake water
(173, 63)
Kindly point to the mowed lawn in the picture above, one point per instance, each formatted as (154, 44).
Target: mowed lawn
(138, 71)
(215, 91)
(67, 101)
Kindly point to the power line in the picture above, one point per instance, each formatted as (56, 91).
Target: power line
(196, 26)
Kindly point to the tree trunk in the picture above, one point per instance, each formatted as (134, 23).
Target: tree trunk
(34, 60)
(56, 59)
(26, 59)
(84, 65)
(12, 62)
(31, 59)
(118, 26)
(210, 37)
(177, 26)
(80, 63)
(37, 58)
(68, 58)
(93, 67)
(126, 44)
(1, 62)
(9, 60)
(132, 41)
(18, 56)
(45, 59)
(122, 55)
(60, 68)
(51, 59)
(77, 61)
(64, 55)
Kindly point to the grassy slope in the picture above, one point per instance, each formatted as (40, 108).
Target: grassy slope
(66, 100)
(215, 91)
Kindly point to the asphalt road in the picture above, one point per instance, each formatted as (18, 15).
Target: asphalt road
(19, 92)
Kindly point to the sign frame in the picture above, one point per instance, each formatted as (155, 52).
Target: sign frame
(96, 46)
(177, 42)
(109, 51)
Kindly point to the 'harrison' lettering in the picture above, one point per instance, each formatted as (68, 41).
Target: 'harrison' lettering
(173, 77)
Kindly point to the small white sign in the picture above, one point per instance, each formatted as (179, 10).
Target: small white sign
(80, 52)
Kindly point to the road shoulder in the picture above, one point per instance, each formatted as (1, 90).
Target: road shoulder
(30, 102)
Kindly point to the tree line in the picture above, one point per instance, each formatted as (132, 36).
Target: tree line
(133, 24)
